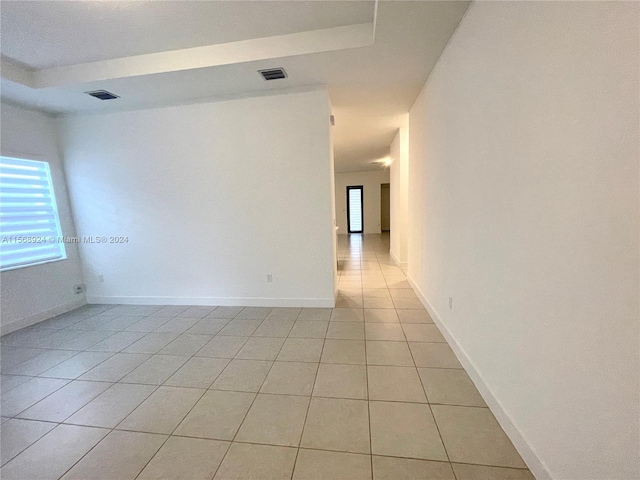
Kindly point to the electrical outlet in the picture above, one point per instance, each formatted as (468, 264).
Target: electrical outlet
(450, 303)
(269, 277)
(101, 278)
(79, 289)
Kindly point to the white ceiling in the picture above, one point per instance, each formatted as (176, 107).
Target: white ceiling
(44, 33)
(61, 49)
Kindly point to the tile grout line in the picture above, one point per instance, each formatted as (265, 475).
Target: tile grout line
(170, 434)
(4, 463)
(102, 439)
(444, 447)
(264, 393)
(178, 424)
(304, 423)
(424, 391)
(245, 442)
(248, 409)
(110, 430)
(366, 373)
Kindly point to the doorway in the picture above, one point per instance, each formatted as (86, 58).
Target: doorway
(385, 207)
(355, 217)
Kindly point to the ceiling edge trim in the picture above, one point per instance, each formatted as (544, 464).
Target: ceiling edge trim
(301, 43)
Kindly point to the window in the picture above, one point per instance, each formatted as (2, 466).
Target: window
(354, 209)
(29, 224)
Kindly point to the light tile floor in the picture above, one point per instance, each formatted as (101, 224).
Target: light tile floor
(368, 390)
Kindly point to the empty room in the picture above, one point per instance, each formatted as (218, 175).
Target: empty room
(319, 240)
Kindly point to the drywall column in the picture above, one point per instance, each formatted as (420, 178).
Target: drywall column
(399, 177)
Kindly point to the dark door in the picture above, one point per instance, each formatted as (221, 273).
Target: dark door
(385, 208)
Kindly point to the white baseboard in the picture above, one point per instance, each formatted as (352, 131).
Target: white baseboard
(402, 265)
(39, 317)
(533, 461)
(217, 301)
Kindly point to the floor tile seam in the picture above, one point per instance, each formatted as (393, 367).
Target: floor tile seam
(43, 398)
(102, 428)
(16, 375)
(257, 392)
(383, 455)
(246, 414)
(170, 434)
(112, 333)
(427, 397)
(31, 358)
(21, 451)
(306, 415)
(366, 373)
(113, 354)
(64, 422)
(164, 384)
(102, 439)
(53, 366)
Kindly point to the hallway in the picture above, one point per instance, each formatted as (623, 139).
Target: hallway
(409, 363)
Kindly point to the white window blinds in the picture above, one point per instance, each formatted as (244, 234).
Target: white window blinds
(29, 224)
(355, 210)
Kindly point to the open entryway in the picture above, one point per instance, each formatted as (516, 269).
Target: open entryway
(355, 217)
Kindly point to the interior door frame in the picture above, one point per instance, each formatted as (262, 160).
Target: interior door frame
(361, 188)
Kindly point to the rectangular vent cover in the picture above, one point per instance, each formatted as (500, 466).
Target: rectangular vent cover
(102, 95)
(273, 73)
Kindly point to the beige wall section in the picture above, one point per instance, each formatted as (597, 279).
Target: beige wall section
(524, 209)
(399, 178)
(371, 182)
(32, 294)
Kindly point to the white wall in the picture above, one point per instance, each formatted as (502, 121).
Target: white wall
(334, 220)
(524, 209)
(212, 196)
(39, 292)
(399, 178)
(371, 182)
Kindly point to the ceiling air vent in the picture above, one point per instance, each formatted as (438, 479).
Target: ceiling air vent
(273, 73)
(102, 95)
